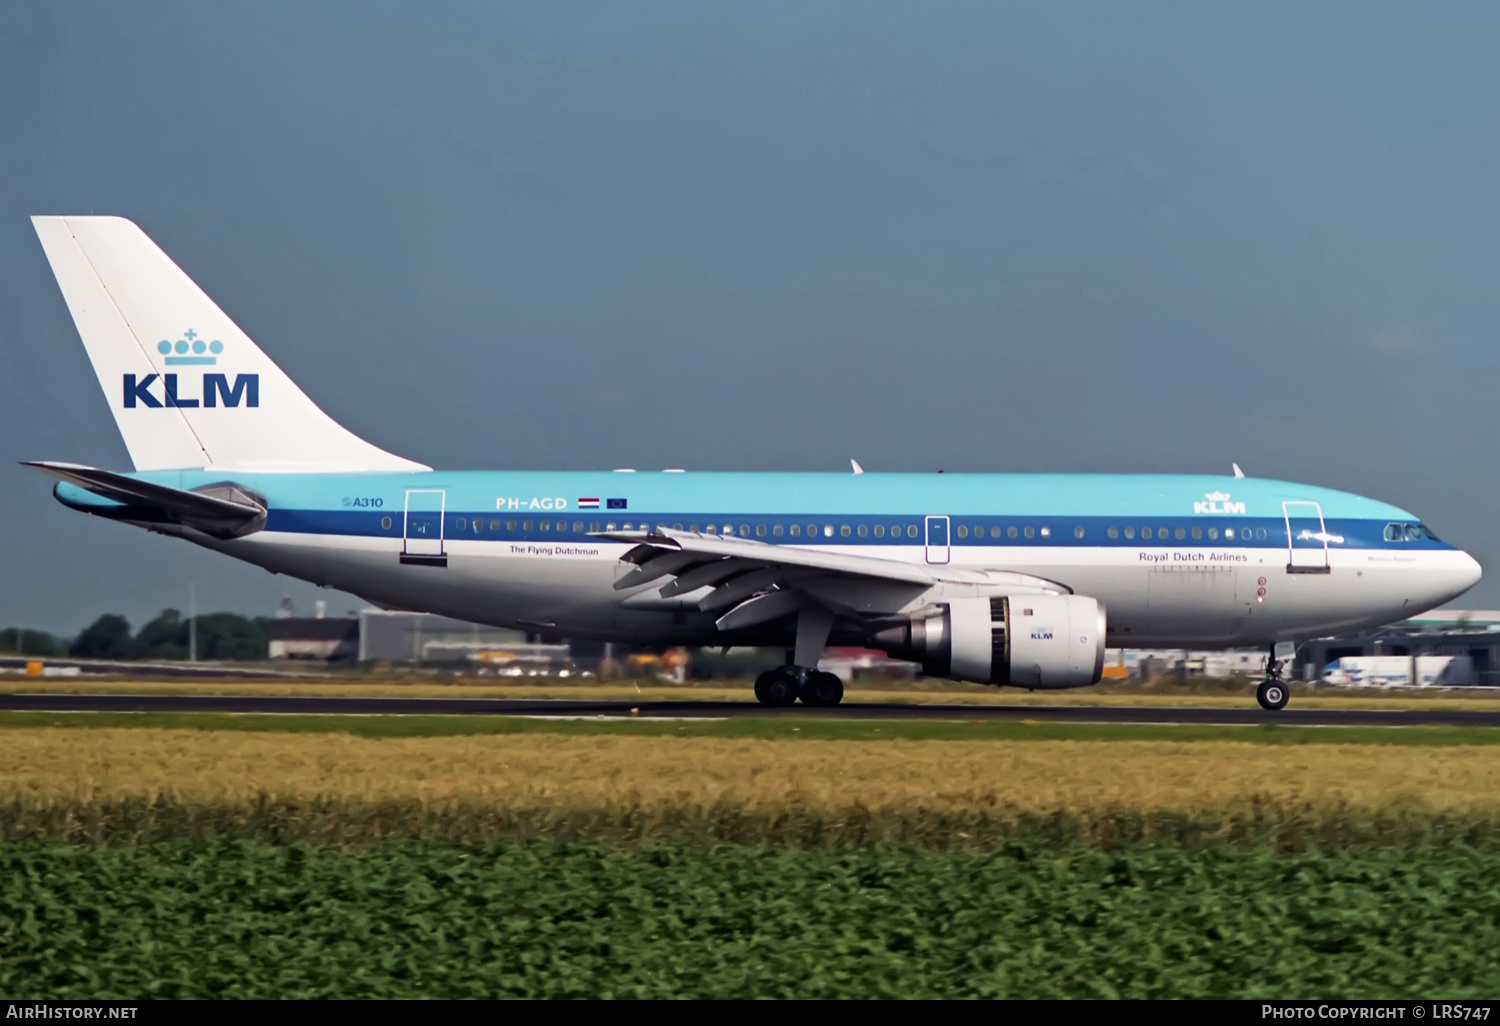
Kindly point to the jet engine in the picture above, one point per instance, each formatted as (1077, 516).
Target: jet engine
(1030, 641)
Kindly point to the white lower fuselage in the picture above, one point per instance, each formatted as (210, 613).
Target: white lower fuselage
(1155, 596)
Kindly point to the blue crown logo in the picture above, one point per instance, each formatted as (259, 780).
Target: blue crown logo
(190, 343)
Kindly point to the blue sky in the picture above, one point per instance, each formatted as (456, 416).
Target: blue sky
(976, 236)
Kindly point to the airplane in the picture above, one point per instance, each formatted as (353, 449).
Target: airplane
(1018, 580)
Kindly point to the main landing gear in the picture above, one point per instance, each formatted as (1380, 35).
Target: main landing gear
(800, 678)
(784, 685)
(1273, 693)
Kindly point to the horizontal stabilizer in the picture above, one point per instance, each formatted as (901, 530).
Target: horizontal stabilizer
(223, 510)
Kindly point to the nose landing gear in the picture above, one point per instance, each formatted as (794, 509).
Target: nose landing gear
(1273, 692)
(1272, 695)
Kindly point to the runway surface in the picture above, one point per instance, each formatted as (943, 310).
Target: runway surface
(560, 707)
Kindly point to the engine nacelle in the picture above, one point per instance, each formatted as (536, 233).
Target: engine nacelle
(1030, 641)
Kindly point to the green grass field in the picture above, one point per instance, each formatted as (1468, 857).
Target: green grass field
(192, 855)
(790, 727)
(413, 919)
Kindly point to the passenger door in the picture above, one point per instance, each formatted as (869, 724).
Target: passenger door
(1307, 538)
(937, 539)
(423, 532)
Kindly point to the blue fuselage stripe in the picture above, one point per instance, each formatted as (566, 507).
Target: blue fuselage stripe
(961, 531)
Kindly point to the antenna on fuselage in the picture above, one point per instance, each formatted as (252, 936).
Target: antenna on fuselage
(857, 468)
(1237, 471)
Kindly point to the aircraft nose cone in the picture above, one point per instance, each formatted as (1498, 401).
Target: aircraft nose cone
(1467, 575)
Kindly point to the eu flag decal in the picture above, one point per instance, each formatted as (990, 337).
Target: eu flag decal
(615, 504)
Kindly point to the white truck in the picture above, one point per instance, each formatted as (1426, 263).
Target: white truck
(1396, 671)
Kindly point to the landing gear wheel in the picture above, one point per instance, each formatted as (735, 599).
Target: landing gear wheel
(823, 690)
(1272, 695)
(776, 688)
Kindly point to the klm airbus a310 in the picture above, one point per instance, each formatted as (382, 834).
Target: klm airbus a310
(1019, 580)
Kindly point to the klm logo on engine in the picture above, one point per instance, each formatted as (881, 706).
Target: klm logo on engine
(1218, 502)
(214, 388)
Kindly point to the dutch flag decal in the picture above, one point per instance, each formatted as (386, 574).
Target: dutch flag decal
(588, 503)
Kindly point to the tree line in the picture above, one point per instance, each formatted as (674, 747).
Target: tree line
(220, 636)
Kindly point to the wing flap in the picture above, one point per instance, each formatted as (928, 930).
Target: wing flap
(758, 553)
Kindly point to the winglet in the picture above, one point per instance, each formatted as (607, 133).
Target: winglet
(1237, 471)
(857, 468)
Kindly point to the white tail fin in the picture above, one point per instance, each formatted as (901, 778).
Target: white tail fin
(187, 387)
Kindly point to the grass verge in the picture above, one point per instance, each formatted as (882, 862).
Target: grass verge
(769, 728)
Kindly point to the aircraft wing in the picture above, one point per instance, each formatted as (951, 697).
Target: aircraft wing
(754, 582)
(222, 510)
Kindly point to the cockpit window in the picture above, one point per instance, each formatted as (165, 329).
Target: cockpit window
(1408, 532)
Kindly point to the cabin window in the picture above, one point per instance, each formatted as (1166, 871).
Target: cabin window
(1129, 532)
(546, 525)
(711, 529)
(1028, 532)
(1146, 533)
(1213, 534)
(776, 530)
(963, 532)
(594, 525)
(812, 530)
(880, 530)
(994, 530)
(911, 530)
(385, 523)
(1197, 533)
(862, 530)
(796, 530)
(526, 526)
(1180, 533)
(843, 530)
(578, 527)
(461, 524)
(1228, 532)
(1260, 534)
(1046, 532)
(510, 525)
(1077, 532)
(760, 530)
(895, 530)
(1114, 532)
(1010, 532)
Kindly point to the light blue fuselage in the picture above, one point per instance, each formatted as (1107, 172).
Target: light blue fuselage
(1175, 560)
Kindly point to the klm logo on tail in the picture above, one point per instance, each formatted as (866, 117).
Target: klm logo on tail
(190, 350)
(190, 343)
